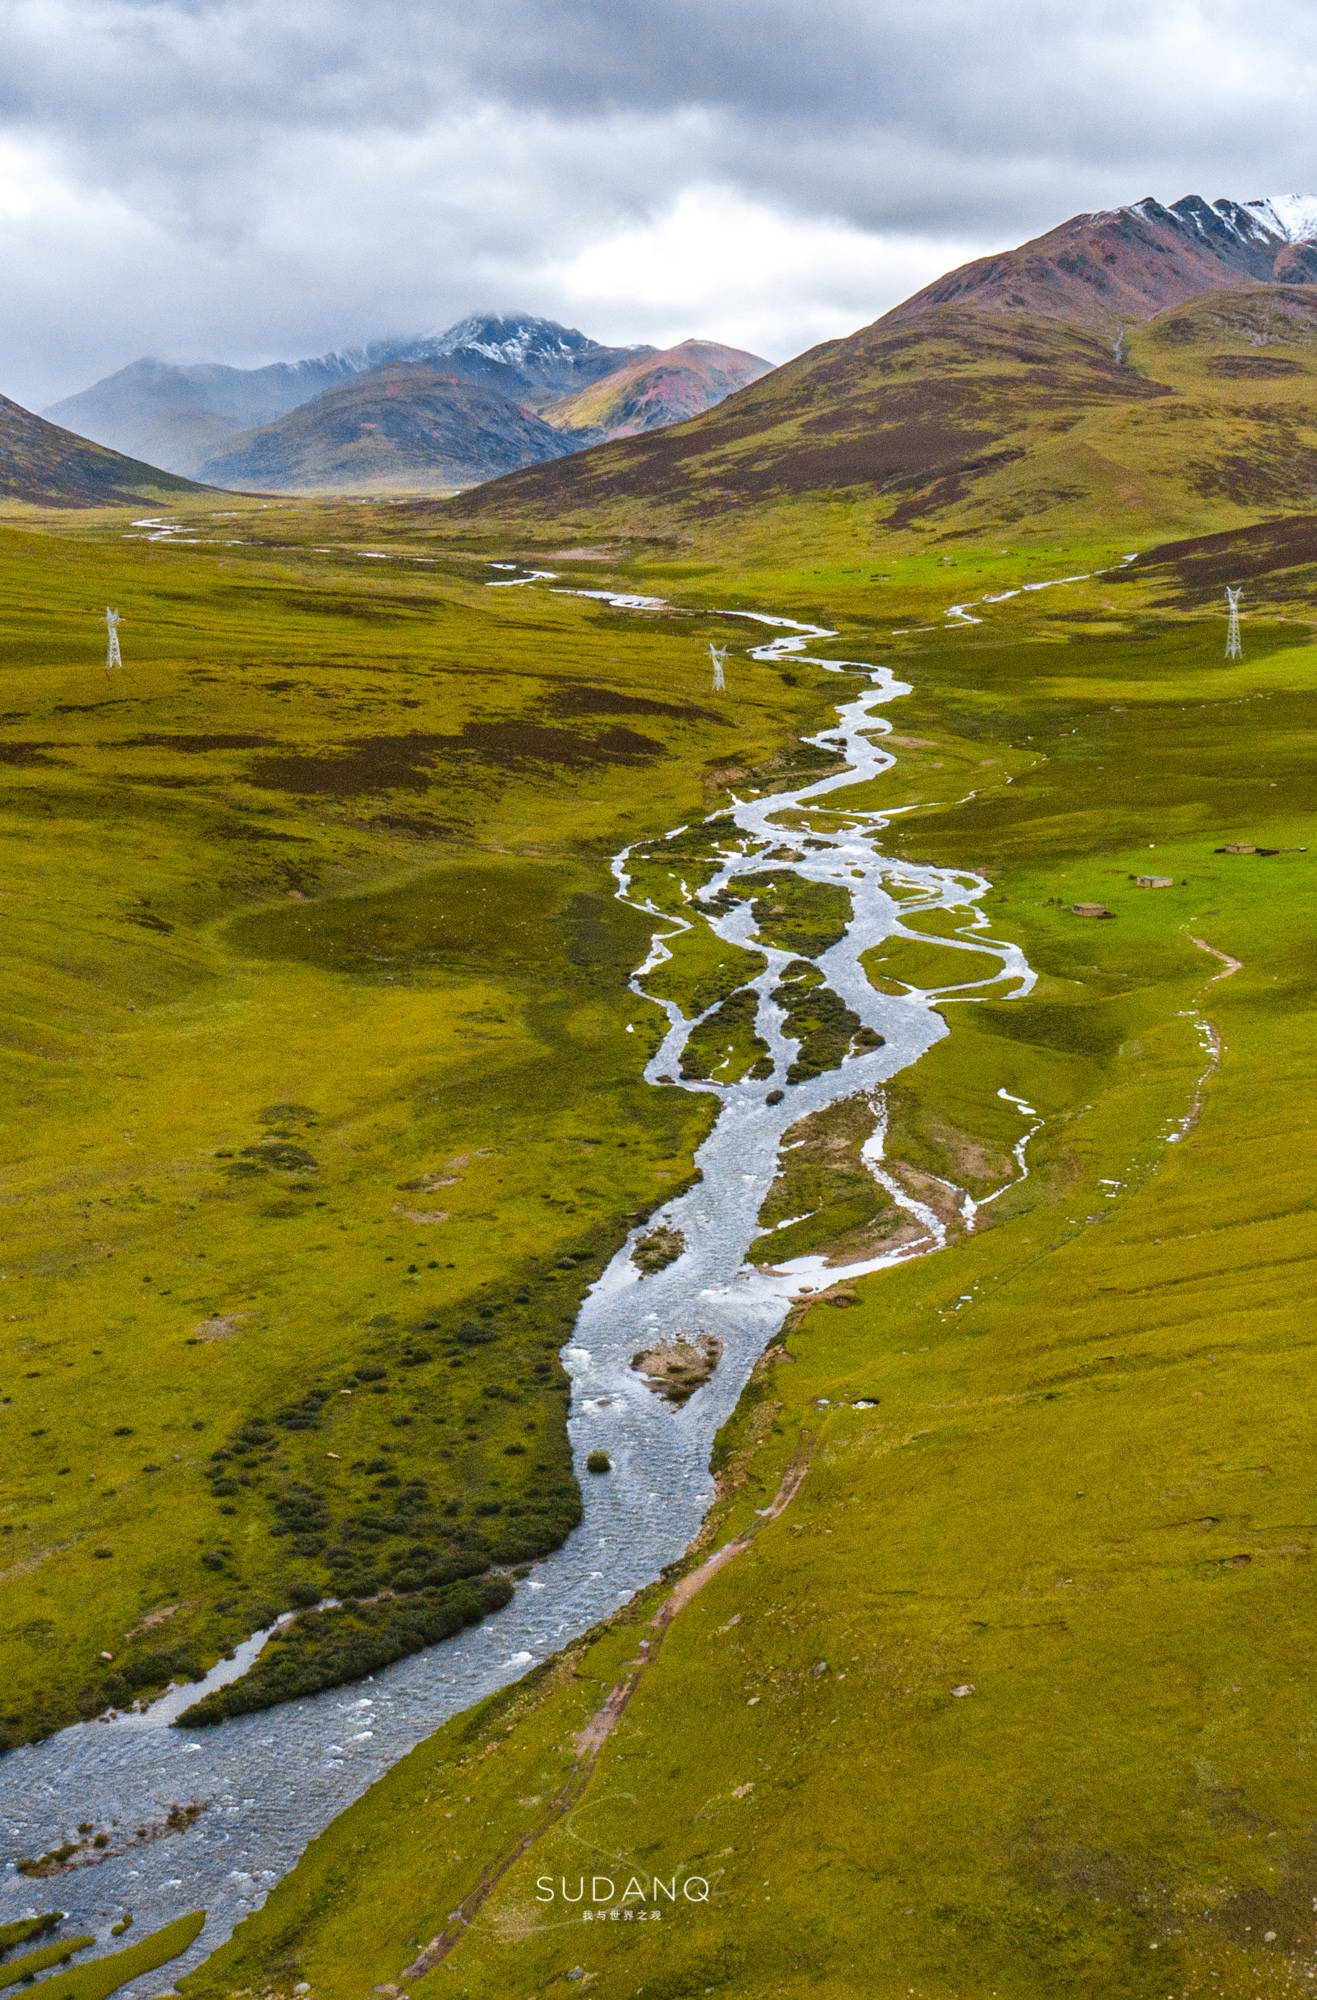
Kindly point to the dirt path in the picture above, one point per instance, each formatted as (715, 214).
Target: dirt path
(1230, 964)
(597, 1731)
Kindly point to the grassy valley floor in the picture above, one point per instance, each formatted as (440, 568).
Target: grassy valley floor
(992, 1673)
(324, 1082)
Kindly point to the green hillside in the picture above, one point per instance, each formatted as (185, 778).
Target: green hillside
(1003, 1685)
(328, 1104)
(961, 423)
(323, 1104)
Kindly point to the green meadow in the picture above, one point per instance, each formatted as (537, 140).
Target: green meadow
(1001, 1683)
(322, 1075)
(326, 1103)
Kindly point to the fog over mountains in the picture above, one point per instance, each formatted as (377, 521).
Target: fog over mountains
(203, 420)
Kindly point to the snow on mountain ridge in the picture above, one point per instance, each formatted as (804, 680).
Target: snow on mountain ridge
(1292, 217)
(526, 335)
(1282, 218)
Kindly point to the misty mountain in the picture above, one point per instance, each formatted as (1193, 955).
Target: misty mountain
(182, 417)
(178, 417)
(409, 426)
(534, 361)
(46, 466)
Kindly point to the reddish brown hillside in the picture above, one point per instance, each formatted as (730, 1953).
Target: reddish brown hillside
(658, 389)
(913, 411)
(1123, 264)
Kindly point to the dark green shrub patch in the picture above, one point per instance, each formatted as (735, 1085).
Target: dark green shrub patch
(657, 1248)
(353, 1505)
(322, 1649)
(26, 1930)
(724, 1045)
(826, 1029)
(796, 914)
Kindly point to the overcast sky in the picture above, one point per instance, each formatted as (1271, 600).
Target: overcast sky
(246, 180)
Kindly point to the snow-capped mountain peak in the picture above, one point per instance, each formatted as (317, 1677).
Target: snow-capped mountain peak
(512, 338)
(537, 356)
(1292, 217)
(1277, 218)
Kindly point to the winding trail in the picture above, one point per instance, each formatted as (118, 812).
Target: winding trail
(270, 1782)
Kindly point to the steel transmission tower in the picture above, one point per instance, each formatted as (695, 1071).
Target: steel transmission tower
(1234, 650)
(718, 654)
(113, 657)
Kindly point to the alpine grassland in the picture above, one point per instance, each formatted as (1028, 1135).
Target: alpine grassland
(991, 1672)
(323, 1081)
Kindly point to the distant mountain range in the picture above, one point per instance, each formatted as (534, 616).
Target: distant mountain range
(1147, 366)
(290, 426)
(1141, 367)
(410, 426)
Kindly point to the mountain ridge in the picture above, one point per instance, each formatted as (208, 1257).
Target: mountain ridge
(184, 416)
(963, 420)
(657, 389)
(407, 426)
(1110, 266)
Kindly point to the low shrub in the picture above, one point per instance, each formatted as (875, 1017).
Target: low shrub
(323, 1649)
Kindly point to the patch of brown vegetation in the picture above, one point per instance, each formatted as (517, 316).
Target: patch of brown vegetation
(192, 745)
(675, 1369)
(1251, 367)
(92, 1850)
(222, 1327)
(388, 763)
(583, 698)
(160, 1616)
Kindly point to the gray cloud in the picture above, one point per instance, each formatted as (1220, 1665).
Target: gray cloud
(226, 179)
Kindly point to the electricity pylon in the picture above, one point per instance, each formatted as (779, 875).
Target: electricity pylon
(1234, 650)
(113, 657)
(718, 654)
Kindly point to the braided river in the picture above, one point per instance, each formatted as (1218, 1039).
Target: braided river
(271, 1782)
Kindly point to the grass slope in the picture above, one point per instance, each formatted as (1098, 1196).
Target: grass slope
(960, 426)
(997, 1681)
(324, 1084)
(100, 1977)
(44, 466)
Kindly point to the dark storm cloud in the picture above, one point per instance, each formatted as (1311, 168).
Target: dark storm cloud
(238, 179)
